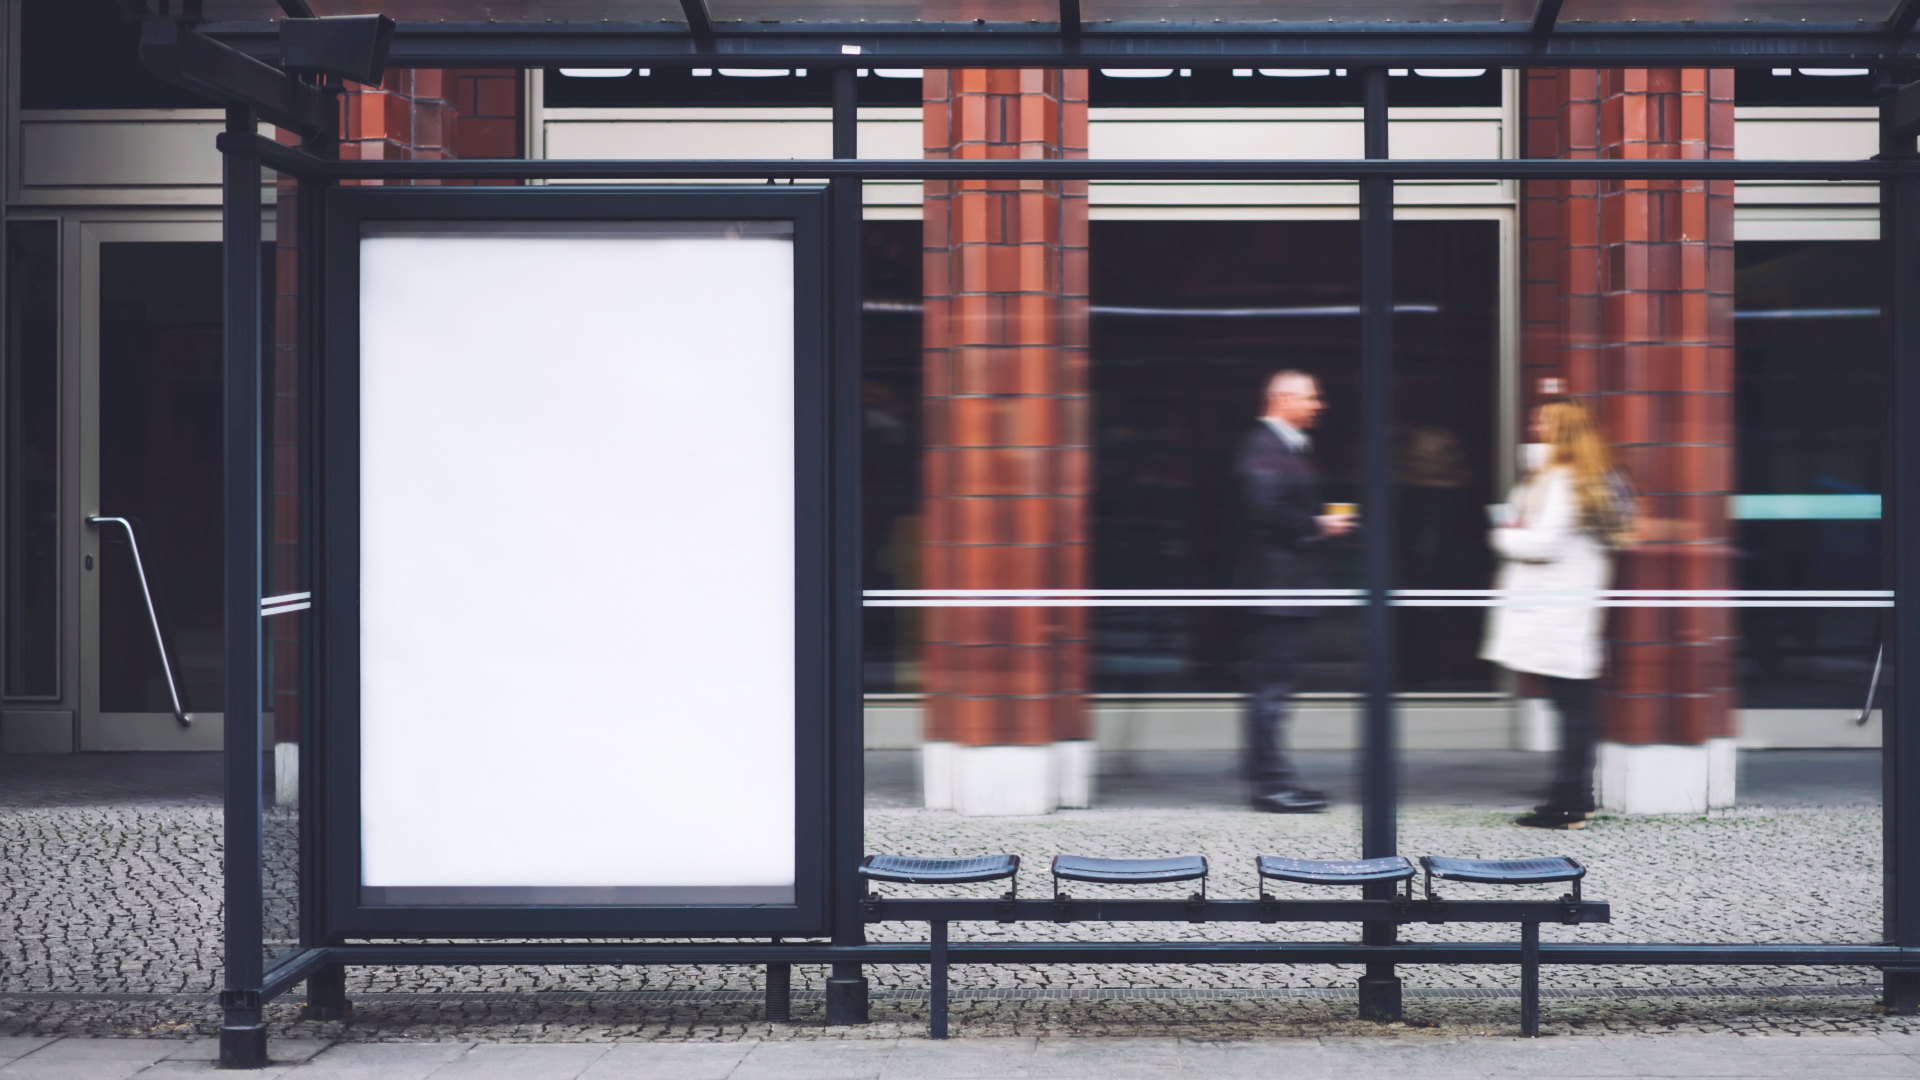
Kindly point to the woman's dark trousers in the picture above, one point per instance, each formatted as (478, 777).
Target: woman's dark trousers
(1579, 731)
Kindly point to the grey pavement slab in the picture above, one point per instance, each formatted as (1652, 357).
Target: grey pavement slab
(1110, 1058)
(546, 1061)
(960, 1059)
(13, 1046)
(669, 1061)
(1406, 1054)
(380, 1061)
(817, 1060)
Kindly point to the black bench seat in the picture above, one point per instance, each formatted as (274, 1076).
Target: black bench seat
(1504, 871)
(911, 871)
(1129, 871)
(1335, 871)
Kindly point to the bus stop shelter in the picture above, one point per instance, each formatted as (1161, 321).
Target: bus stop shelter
(378, 888)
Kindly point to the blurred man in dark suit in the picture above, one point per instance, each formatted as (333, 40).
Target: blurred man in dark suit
(1284, 531)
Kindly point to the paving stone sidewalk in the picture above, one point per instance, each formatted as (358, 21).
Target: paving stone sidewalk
(1429, 1056)
(110, 916)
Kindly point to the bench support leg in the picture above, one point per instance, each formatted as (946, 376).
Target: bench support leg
(937, 1021)
(327, 995)
(846, 996)
(779, 993)
(1900, 991)
(1529, 979)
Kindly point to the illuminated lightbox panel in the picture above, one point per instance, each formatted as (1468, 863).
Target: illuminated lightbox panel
(577, 563)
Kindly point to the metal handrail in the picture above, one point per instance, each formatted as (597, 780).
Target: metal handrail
(153, 616)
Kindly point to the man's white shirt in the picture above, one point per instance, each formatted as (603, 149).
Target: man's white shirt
(1295, 439)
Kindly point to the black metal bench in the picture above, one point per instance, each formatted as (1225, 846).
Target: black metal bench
(1400, 909)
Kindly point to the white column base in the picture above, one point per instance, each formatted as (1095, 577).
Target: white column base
(1536, 726)
(1662, 778)
(936, 774)
(1004, 781)
(1073, 764)
(286, 774)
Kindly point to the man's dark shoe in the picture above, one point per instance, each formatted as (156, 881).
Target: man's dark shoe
(1552, 819)
(1300, 801)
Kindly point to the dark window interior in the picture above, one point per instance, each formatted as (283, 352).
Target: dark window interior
(32, 463)
(1810, 396)
(85, 54)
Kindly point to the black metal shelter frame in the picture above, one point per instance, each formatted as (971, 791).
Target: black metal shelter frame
(230, 62)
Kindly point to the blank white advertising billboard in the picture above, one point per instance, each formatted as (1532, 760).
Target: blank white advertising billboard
(577, 549)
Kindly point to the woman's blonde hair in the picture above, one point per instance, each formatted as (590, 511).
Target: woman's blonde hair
(1574, 441)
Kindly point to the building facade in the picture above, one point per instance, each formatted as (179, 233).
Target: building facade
(1055, 378)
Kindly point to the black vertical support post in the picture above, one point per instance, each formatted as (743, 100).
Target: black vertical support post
(847, 987)
(243, 1033)
(1900, 727)
(1530, 979)
(937, 979)
(327, 987)
(1379, 987)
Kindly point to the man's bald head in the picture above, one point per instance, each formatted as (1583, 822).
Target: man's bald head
(1293, 398)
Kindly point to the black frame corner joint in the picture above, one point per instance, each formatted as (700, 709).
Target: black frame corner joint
(699, 22)
(1545, 14)
(173, 50)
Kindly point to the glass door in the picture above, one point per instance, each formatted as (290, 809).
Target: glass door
(150, 429)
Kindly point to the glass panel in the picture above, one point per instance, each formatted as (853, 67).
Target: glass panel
(1678, 580)
(463, 10)
(1308, 11)
(903, 11)
(1448, 450)
(1094, 11)
(160, 467)
(1733, 11)
(32, 459)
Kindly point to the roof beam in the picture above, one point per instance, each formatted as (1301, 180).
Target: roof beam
(1070, 17)
(699, 19)
(1545, 14)
(297, 9)
(427, 45)
(1901, 24)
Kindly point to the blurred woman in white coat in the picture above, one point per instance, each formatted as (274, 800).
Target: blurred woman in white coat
(1554, 536)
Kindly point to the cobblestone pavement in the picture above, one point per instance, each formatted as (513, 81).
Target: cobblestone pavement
(1426, 1054)
(109, 924)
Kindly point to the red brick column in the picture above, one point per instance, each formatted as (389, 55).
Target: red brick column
(1007, 458)
(1628, 297)
(431, 114)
